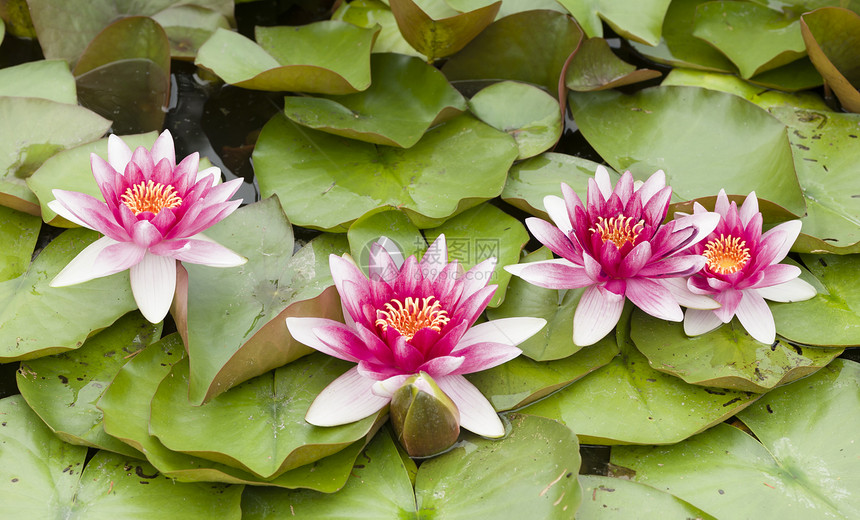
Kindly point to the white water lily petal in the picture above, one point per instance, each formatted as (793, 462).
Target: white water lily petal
(507, 331)
(153, 283)
(91, 263)
(476, 413)
(347, 399)
(596, 315)
(604, 183)
(700, 321)
(58, 208)
(119, 154)
(387, 387)
(213, 171)
(685, 297)
(556, 208)
(755, 316)
(205, 251)
(795, 290)
(435, 258)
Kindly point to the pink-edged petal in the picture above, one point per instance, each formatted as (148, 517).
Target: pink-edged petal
(163, 149)
(442, 366)
(145, 234)
(213, 172)
(347, 399)
(635, 260)
(704, 223)
(90, 212)
(482, 356)
(596, 315)
(657, 206)
(153, 282)
(682, 265)
(655, 183)
(552, 237)
(406, 356)
(654, 298)
(777, 274)
(722, 205)
(729, 301)
(104, 174)
(103, 257)
(377, 371)
(795, 290)
(506, 331)
(386, 387)
(435, 258)
(624, 187)
(603, 182)
(384, 260)
(478, 277)
(749, 208)
(58, 208)
(223, 192)
(476, 413)
(556, 208)
(552, 274)
(781, 238)
(755, 316)
(700, 321)
(327, 336)
(119, 154)
(685, 297)
(142, 159)
(202, 250)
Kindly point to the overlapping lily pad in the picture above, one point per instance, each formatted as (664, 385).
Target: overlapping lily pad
(530, 472)
(406, 98)
(268, 434)
(435, 29)
(368, 13)
(390, 223)
(596, 67)
(530, 46)
(531, 116)
(704, 140)
(45, 477)
(329, 57)
(480, 233)
(532, 180)
(607, 498)
(756, 38)
(638, 20)
(832, 36)
(46, 79)
(727, 357)
(803, 464)
(233, 320)
(188, 27)
(126, 406)
(326, 182)
(66, 315)
(18, 234)
(835, 309)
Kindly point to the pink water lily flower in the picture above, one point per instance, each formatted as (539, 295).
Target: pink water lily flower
(152, 216)
(411, 317)
(743, 269)
(617, 246)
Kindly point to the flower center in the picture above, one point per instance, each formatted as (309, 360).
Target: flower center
(619, 230)
(727, 254)
(150, 196)
(413, 315)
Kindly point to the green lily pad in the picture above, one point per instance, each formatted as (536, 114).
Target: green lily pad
(435, 29)
(46, 79)
(126, 405)
(596, 67)
(268, 434)
(406, 98)
(70, 170)
(522, 381)
(508, 7)
(63, 389)
(124, 74)
(832, 35)
(60, 39)
(530, 472)
(369, 13)
(530, 46)
(328, 57)
(797, 75)
(824, 146)
(15, 18)
(628, 402)
(45, 477)
(66, 315)
(40, 128)
(390, 223)
(727, 357)
(704, 140)
(480, 233)
(532, 180)
(836, 307)
(530, 115)
(621, 499)
(753, 36)
(233, 320)
(803, 465)
(322, 180)
(18, 234)
(678, 47)
(188, 27)
(637, 20)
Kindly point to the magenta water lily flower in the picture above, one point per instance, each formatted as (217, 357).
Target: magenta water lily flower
(153, 213)
(411, 317)
(617, 247)
(742, 269)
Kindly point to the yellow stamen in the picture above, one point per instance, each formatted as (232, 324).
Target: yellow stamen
(150, 196)
(727, 254)
(414, 315)
(619, 230)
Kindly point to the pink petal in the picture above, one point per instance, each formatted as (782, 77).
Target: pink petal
(163, 149)
(506, 331)
(755, 316)
(781, 238)
(204, 251)
(142, 158)
(481, 356)
(656, 208)
(795, 290)
(704, 223)
(552, 237)
(556, 208)
(104, 174)
(476, 413)
(596, 315)
(684, 296)
(729, 301)
(435, 258)
(213, 172)
(119, 154)
(655, 183)
(58, 208)
(327, 336)
(406, 356)
(443, 366)
(347, 399)
(91, 212)
(153, 282)
(635, 260)
(722, 205)
(103, 257)
(478, 277)
(682, 265)
(700, 321)
(384, 260)
(145, 234)
(749, 208)
(552, 274)
(777, 274)
(654, 299)
(223, 192)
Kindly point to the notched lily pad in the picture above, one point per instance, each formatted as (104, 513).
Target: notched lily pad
(406, 98)
(328, 57)
(596, 67)
(832, 36)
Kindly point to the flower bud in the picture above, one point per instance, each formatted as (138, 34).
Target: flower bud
(425, 420)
